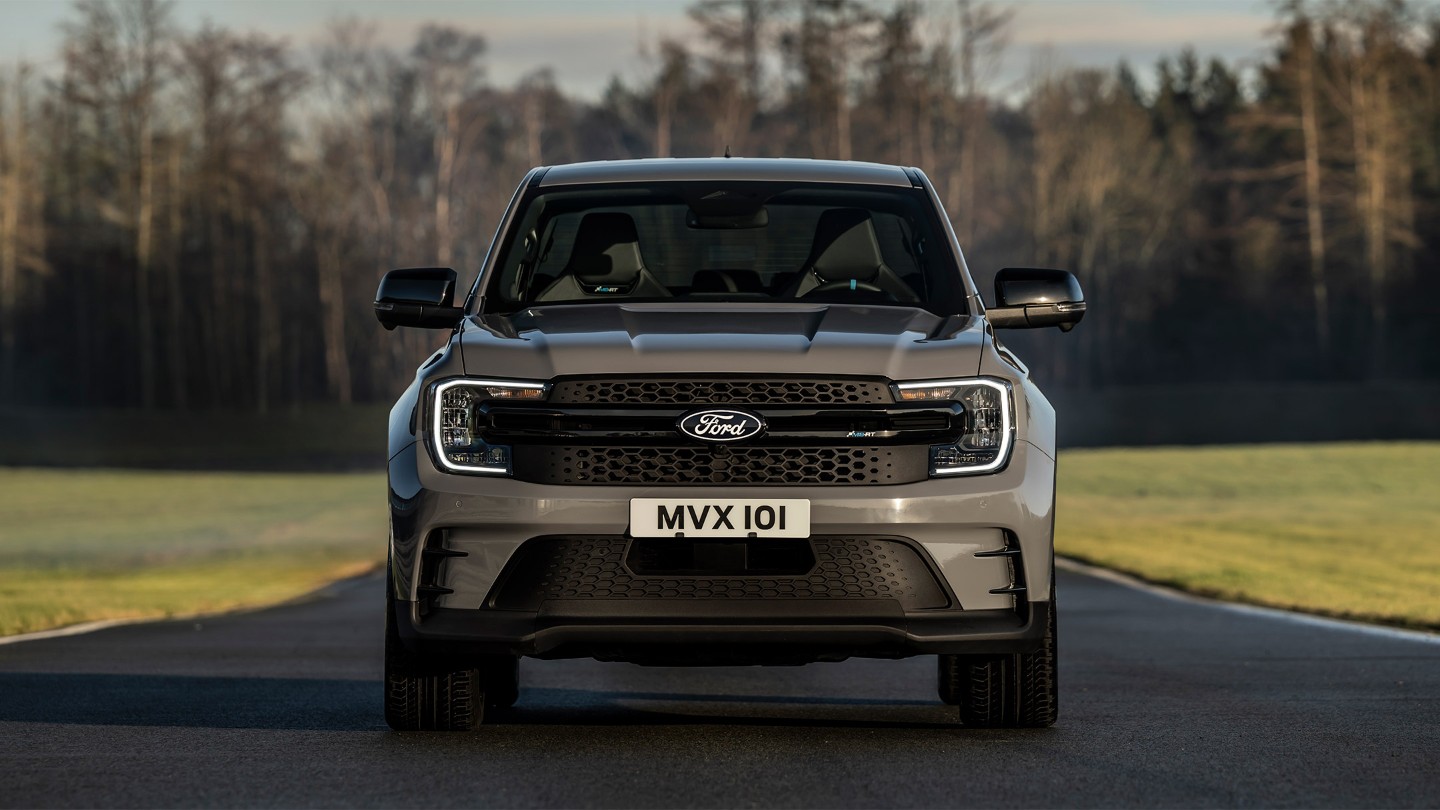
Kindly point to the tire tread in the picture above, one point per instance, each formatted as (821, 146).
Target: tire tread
(1020, 690)
(420, 699)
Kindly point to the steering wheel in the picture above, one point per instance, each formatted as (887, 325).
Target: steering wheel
(849, 285)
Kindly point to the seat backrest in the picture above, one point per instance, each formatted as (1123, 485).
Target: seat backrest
(605, 261)
(747, 280)
(845, 249)
(712, 281)
(727, 281)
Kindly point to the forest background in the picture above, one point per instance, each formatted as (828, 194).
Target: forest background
(193, 221)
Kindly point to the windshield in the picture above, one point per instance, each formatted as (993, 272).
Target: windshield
(726, 242)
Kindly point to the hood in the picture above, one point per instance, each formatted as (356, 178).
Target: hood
(774, 339)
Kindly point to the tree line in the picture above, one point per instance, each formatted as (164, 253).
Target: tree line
(196, 219)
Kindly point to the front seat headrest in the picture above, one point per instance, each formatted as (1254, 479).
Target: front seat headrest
(605, 261)
(845, 246)
(712, 281)
(606, 250)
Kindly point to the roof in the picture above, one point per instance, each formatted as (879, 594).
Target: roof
(793, 170)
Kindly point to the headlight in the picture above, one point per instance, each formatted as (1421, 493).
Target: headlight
(989, 423)
(457, 423)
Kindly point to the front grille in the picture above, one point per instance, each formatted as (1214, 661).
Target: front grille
(516, 425)
(600, 567)
(720, 392)
(722, 465)
(622, 431)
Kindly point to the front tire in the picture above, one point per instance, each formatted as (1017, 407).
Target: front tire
(1020, 690)
(422, 697)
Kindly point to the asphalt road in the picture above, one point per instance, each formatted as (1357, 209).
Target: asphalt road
(1164, 703)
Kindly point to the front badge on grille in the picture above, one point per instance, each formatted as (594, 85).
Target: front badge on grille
(718, 425)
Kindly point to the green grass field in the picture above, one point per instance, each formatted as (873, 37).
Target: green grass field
(104, 544)
(1344, 529)
(1349, 530)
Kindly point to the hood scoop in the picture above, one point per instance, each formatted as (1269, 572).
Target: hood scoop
(734, 321)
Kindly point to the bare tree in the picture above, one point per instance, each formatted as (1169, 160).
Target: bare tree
(737, 30)
(895, 102)
(671, 81)
(356, 159)
(1305, 71)
(236, 89)
(121, 51)
(22, 224)
(175, 287)
(737, 33)
(357, 79)
(538, 99)
(825, 47)
(1378, 81)
(447, 62)
(984, 33)
(1106, 196)
(316, 198)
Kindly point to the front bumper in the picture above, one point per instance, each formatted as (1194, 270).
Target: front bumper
(473, 527)
(668, 633)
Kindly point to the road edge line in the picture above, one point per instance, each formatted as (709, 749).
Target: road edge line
(76, 629)
(105, 624)
(1294, 616)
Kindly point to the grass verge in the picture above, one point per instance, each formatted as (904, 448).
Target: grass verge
(1350, 530)
(114, 544)
(1345, 530)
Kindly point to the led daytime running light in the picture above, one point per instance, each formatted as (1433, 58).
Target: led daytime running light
(457, 448)
(989, 433)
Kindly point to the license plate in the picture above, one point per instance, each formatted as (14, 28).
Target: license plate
(726, 517)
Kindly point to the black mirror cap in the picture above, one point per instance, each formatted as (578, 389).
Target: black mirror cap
(1034, 297)
(421, 297)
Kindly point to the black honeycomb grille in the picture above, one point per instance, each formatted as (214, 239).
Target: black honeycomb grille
(720, 392)
(552, 568)
(721, 465)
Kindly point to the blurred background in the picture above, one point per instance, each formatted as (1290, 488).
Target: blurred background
(197, 199)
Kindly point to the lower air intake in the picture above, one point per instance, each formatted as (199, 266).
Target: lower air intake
(605, 567)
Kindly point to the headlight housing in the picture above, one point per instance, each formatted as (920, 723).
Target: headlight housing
(988, 411)
(457, 422)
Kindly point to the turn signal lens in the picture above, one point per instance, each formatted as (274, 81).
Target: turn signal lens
(926, 394)
(509, 392)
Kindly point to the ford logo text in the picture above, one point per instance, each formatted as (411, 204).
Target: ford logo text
(721, 425)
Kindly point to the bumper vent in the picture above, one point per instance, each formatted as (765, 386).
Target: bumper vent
(433, 555)
(559, 568)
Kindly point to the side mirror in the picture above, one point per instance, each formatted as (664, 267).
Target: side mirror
(1032, 297)
(422, 297)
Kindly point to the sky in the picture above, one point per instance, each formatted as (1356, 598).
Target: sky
(587, 42)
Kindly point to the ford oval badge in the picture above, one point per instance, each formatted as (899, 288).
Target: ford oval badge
(719, 425)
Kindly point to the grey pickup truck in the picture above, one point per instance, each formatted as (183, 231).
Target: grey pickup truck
(722, 412)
